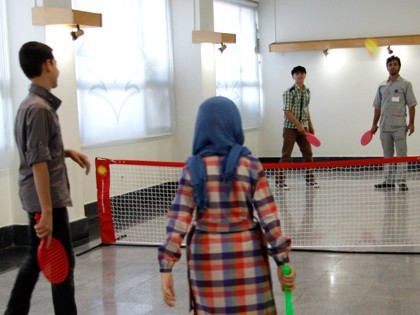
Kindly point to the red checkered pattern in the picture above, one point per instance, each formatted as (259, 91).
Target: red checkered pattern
(227, 257)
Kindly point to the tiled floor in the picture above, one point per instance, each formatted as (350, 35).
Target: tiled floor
(125, 280)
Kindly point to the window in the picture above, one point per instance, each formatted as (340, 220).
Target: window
(237, 68)
(4, 104)
(124, 72)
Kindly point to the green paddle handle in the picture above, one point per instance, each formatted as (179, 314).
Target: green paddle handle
(288, 306)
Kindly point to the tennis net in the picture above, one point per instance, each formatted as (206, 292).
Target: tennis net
(346, 212)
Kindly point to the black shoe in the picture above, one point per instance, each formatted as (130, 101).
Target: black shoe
(282, 186)
(384, 185)
(312, 184)
(403, 187)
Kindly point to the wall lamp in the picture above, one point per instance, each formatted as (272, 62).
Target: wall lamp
(64, 16)
(222, 48)
(325, 52)
(390, 51)
(77, 33)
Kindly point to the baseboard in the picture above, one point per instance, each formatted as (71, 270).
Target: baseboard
(16, 235)
(91, 210)
(6, 236)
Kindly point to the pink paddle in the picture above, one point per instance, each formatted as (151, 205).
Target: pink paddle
(366, 138)
(312, 139)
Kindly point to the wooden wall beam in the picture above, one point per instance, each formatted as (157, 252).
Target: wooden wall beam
(343, 43)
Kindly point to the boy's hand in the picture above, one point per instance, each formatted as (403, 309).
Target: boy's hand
(44, 227)
(374, 128)
(301, 129)
(79, 158)
(410, 129)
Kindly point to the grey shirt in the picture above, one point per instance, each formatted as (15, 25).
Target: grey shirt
(38, 137)
(393, 98)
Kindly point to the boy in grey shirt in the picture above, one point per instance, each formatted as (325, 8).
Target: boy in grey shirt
(43, 181)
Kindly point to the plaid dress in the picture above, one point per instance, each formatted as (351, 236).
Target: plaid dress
(228, 266)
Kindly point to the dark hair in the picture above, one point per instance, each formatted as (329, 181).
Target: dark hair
(393, 58)
(31, 57)
(298, 69)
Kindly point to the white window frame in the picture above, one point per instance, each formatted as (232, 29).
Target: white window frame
(5, 132)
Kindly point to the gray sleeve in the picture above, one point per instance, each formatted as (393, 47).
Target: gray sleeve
(410, 99)
(38, 121)
(378, 98)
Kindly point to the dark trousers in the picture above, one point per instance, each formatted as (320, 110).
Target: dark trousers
(63, 293)
(290, 137)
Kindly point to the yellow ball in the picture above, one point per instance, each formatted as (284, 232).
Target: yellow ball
(372, 46)
(101, 170)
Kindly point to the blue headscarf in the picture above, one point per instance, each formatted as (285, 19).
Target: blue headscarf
(218, 131)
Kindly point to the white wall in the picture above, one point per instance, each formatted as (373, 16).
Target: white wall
(188, 88)
(189, 76)
(189, 94)
(331, 19)
(343, 85)
(341, 94)
(5, 195)
(20, 30)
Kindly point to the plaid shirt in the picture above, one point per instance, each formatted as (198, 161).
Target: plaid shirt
(296, 101)
(225, 213)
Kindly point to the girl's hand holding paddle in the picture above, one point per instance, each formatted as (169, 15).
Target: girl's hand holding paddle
(288, 274)
(168, 291)
(286, 280)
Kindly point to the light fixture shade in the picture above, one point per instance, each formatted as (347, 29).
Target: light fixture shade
(199, 37)
(49, 16)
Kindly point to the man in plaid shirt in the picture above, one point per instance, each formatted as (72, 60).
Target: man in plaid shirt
(297, 121)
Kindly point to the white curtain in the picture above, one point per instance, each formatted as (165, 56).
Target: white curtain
(5, 131)
(124, 72)
(237, 68)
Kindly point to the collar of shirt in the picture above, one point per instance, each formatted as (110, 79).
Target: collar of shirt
(54, 101)
(297, 87)
(397, 79)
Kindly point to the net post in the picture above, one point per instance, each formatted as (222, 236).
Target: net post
(103, 176)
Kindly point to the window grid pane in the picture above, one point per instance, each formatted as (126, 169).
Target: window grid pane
(237, 68)
(125, 87)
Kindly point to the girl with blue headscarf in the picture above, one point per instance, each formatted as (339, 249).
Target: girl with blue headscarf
(222, 187)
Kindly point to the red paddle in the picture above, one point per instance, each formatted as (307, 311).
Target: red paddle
(366, 137)
(53, 260)
(312, 139)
